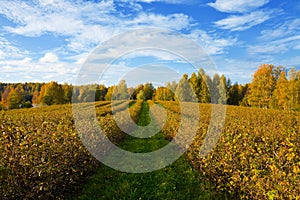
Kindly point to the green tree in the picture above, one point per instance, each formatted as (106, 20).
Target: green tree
(14, 99)
(235, 94)
(100, 93)
(136, 91)
(140, 95)
(148, 91)
(67, 92)
(51, 94)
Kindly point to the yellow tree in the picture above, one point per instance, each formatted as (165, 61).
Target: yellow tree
(223, 88)
(262, 86)
(294, 89)
(5, 96)
(163, 93)
(204, 93)
(195, 83)
(281, 91)
(121, 91)
(35, 97)
(109, 94)
(184, 91)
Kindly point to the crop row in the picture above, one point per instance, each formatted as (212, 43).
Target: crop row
(42, 155)
(112, 107)
(257, 155)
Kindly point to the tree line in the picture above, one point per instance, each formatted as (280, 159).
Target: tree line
(271, 87)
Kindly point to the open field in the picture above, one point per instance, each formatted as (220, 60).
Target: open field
(257, 156)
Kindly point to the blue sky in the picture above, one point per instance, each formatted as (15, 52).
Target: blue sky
(50, 39)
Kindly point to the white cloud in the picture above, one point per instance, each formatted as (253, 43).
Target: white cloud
(243, 22)
(27, 69)
(237, 6)
(240, 70)
(74, 20)
(26, 60)
(49, 58)
(290, 62)
(279, 39)
(212, 43)
(297, 47)
(152, 39)
(1, 54)
(23, 62)
(7, 67)
(173, 21)
(287, 39)
(85, 24)
(80, 61)
(34, 20)
(77, 59)
(7, 50)
(155, 53)
(163, 1)
(276, 46)
(160, 46)
(288, 28)
(46, 2)
(96, 34)
(267, 49)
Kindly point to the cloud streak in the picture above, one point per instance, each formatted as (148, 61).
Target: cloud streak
(161, 1)
(240, 6)
(288, 28)
(212, 43)
(9, 50)
(243, 22)
(278, 40)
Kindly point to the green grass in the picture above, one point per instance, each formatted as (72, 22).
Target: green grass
(176, 181)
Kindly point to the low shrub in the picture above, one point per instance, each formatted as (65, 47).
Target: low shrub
(257, 155)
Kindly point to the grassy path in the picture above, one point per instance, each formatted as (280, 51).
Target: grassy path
(177, 181)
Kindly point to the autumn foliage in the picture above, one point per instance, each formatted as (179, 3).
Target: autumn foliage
(257, 155)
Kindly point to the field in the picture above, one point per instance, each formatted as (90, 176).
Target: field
(256, 157)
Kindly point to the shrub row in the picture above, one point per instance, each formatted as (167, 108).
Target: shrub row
(41, 154)
(257, 155)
